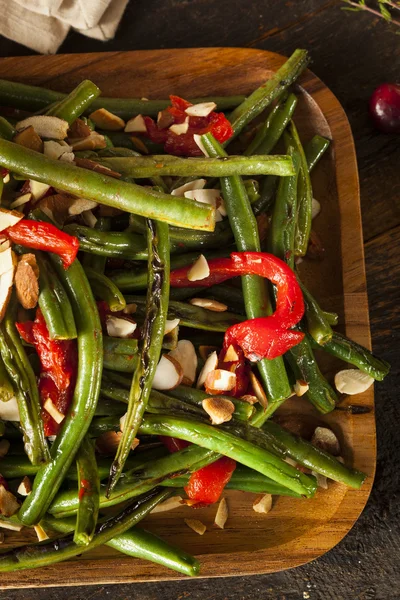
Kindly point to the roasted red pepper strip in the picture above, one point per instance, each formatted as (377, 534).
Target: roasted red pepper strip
(45, 236)
(207, 484)
(264, 337)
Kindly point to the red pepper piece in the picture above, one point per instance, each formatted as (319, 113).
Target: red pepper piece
(264, 337)
(45, 236)
(173, 444)
(207, 484)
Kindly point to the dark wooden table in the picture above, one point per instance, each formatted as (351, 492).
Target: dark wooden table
(352, 53)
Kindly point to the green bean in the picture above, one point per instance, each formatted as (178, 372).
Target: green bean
(317, 323)
(225, 293)
(267, 194)
(143, 167)
(6, 388)
(269, 91)
(96, 262)
(209, 436)
(252, 190)
(105, 289)
(7, 131)
(271, 131)
(181, 294)
(107, 408)
(32, 98)
(140, 543)
(243, 410)
(118, 378)
(23, 378)
(192, 316)
(124, 362)
(2, 426)
(89, 493)
(53, 301)
(151, 342)
(137, 481)
(244, 227)
(315, 149)
(87, 387)
(106, 190)
(115, 345)
(108, 243)
(76, 103)
(40, 555)
(355, 354)
(305, 196)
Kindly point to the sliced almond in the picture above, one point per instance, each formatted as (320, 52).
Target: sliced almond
(78, 129)
(300, 387)
(324, 439)
(94, 141)
(53, 411)
(139, 144)
(21, 200)
(10, 526)
(7, 269)
(181, 128)
(8, 218)
(231, 355)
(56, 206)
(168, 375)
(6, 178)
(105, 119)
(315, 208)
(220, 380)
(28, 138)
(31, 260)
(107, 443)
(38, 189)
(222, 514)
(167, 505)
(249, 399)
(136, 125)
(205, 351)
(203, 109)
(165, 119)
(25, 487)
(211, 197)
(119, 327)
(290, 461)
(58, 151)
(130, 309)
(258, 390)
(26, 285)
(4, 447)
(9, 505)
(45, 126)
(322, 481)
(209, 304)
(8, 261)
(9, 410)
(352, 381)
(40, 532)
(219, 409)
(170, 325)
(200, 145)
(196, 184)
(80, 205)
(185, 354)
(196, 525)
(5, 245)
(199, 270)
(88, 218)
(209, 366)
(263, 504)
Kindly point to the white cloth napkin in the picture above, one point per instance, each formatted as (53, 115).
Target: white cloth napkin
(43, 24)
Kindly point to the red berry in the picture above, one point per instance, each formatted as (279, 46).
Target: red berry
(384, 107)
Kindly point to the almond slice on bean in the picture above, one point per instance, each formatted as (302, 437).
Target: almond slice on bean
(203, 109)
(28, 138)
(53, 411)
(222, 514)
(119, 327)
(58, 151)
(199, 270)
(210, 365)
(168, 375)
(38, 189)
(196, 525)
(9, 505)
(25, 487)
(167, 505)
(9, 410)
(352, 381)
(258, 390)
(219, 409)
(263, 504)
(105, 119)
(94, 141)
(170, 325)
(315, 208)
(10, 526)
(220, 380)
(300, 387)
(8, 218)
(185, 354)
(209, 304)
(46, 126)
(40, 532)
(324, 439)
(23, 199)
(196, 184)
(136, 125)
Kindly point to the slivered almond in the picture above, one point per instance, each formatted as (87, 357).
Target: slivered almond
(40, 532)
(80, 205)
(196, 525)
(324, 439)
(58, 151)
(209, 366)
(105, 119)
(25, 487)
(200, 145)
(46, 126)
(170, 325)
(38, 189)
(94, 141)
(8, 218)
(168, 375)
(119, 327)
(56, 206)
(219, 409)
(199, 270)
(130, 309)
(196, 184)
(26, 281)
(107, 443)
(165, 119)
(315, 208)
(180, 128)
(9, 410)
(211, 197)
(203, 109)
(231, 355)
(263, 504)
(222, 514)
(249, 399)
(167, 505)
(10, 526)
(258, 390)
(136, 125)
(205, 351)
(209, 304)
(322, 481)
(185, 354)
(53, 411)
(139, 144)
(9, 505)
(300, 387)
(8, 263)
(28, 138)
(220, 380)
(78, 129)
(6, 178)
(4, 447)
(352, 381)
(5, 245)
(88, 218)
(21, 200)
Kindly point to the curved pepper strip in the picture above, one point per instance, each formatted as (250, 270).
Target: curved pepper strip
(263, 337)
(45, 236)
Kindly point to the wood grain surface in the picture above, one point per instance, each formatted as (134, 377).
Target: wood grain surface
(352, 54)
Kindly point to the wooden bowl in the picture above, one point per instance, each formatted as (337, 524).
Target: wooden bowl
(295, 531)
